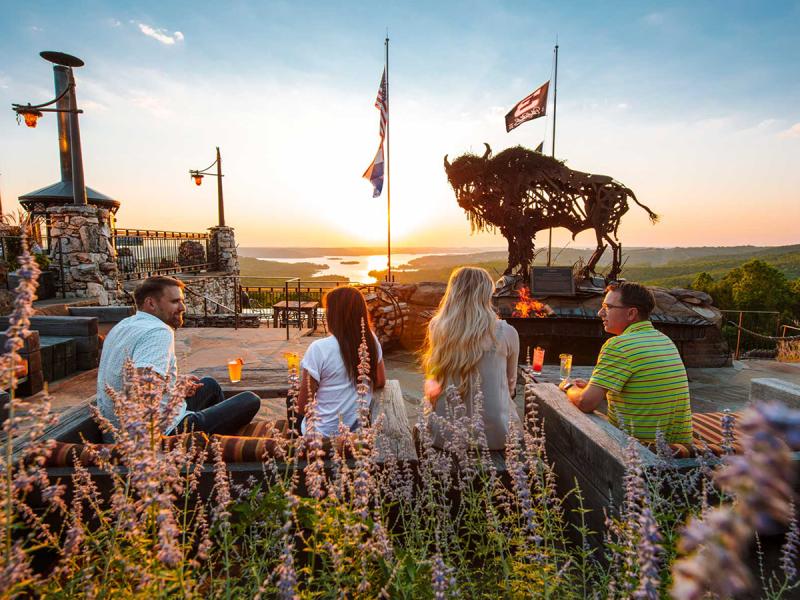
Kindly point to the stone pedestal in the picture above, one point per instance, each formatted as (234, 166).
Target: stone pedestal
(222, 250)
(82, 252)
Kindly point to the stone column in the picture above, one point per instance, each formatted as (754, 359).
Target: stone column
(222, 250)
(82, 253)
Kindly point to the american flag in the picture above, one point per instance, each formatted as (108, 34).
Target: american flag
(382, 104)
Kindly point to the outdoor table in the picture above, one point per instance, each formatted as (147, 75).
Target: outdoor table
(281, 310)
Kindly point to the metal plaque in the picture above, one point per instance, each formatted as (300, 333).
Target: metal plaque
(552, 281)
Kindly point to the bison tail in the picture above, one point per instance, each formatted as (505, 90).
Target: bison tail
(653, 216)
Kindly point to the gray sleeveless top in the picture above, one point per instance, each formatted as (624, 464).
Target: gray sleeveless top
(497, 369)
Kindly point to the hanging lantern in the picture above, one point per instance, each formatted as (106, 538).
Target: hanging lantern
(198, 179)
(31, 116)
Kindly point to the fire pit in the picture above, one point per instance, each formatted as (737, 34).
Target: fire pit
(570, 323)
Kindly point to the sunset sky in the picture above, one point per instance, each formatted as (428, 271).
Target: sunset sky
(694, 105)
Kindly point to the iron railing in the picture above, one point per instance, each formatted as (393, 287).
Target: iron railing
(145, 252)
(260, 299)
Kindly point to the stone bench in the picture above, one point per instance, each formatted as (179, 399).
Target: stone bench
(59, 356)
(585, 449)
(84, 330)
(104, 314)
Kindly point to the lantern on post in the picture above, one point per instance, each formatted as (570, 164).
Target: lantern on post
(198, 175)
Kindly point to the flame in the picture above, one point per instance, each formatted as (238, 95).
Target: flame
(528, 307)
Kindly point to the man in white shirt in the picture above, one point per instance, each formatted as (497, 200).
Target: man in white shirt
(148, 339)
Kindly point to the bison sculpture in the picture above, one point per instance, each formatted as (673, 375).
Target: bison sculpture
(521, 192)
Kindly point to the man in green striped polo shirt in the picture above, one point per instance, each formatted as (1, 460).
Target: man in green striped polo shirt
(639, 371)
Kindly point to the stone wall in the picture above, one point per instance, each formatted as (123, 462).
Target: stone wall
(775, 390)
(222, 250)
(401, 312)
(81, 243)
(216, 287)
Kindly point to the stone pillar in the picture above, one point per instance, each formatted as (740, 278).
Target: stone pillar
(82, 253)
(222, 250)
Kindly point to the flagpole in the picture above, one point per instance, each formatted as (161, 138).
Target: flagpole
(388, 177)
(553, 146)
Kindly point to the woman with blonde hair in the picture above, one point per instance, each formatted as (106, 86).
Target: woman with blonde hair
(469, 347)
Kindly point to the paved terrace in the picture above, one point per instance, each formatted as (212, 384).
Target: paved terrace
(205, 351)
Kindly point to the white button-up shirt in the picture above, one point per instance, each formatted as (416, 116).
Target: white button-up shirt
(148, 342)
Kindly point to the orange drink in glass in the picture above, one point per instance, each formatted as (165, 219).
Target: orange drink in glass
(235, 370)
(292, 360)
(538, 359)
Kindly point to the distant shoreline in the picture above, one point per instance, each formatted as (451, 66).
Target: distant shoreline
(306, 252)
(340, 251)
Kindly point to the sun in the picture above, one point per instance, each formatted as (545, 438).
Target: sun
(366, 222)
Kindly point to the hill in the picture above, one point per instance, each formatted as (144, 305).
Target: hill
(670, 267)
(272, 273)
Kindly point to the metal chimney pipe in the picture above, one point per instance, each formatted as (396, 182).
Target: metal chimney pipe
(62, 81)
(76, 156)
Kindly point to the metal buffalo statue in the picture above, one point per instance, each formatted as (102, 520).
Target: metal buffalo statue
(521, 192)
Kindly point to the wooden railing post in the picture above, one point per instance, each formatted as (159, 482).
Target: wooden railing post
(739, 334)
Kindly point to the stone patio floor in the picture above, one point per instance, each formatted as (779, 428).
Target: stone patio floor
(205, 351)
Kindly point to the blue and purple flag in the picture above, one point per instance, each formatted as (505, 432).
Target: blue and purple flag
(375, 172)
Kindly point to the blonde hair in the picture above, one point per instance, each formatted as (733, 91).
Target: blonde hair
(456, 335)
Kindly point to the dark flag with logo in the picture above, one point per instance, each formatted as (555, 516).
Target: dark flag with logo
(528, 108)
(540, 147)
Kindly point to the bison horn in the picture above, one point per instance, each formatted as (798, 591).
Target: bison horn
(446, 162)
(488, 152)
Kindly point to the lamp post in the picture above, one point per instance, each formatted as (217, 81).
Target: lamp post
(69, 134)
(198, 180)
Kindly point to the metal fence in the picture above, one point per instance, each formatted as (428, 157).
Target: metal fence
(145, 252)
(10, 247)
(260, 296)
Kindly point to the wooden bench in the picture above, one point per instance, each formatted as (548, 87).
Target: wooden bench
(394, 442)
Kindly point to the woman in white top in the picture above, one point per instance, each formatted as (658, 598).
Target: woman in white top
(330, 365)
(466, 346)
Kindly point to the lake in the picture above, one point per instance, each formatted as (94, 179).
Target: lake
(364, 263)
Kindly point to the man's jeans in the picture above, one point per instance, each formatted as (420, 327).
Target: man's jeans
(212, 413)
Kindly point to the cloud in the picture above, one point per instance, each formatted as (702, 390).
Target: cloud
(623, 106)
(792, 132)
(152, 104)
(655, 18)
(161, 35)
(36, 28)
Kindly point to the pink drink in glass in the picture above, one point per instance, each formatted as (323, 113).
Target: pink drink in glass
(538, 359)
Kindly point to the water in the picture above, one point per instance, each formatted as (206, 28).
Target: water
(355, 272)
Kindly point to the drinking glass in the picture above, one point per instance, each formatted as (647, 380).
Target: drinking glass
(566, 366)
(538, 359)
(292, 360)
(235, 370)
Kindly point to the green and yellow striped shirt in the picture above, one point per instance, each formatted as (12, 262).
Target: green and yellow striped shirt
(647, 386)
